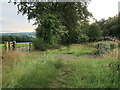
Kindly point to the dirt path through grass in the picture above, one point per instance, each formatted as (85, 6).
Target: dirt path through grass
(63, 71)
(68, 57)
(79, 71)
(71, 57)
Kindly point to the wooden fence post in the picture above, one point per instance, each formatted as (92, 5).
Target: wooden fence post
(6, 46)
(30, 46)
(14, 45)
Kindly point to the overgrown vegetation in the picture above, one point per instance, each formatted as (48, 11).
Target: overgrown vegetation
(48, 69)
(33, 70)
(89, 72)
(110, 26)
(76, 65)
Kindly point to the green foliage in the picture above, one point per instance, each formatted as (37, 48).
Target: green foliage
(110, 27)
(49, 28)
(82, 38)
(105, 32)
(94, 32)
(75, 49)
(53, 16)
(39, 44)
(114, 30)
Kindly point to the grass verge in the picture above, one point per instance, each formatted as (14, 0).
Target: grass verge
(45, 69)
(90, 73)
(30, 71)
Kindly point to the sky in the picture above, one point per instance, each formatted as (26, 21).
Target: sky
(11, 22)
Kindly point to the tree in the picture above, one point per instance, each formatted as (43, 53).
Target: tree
(67, 13)
(94, 32)
(12, 38)
(113, 26)
(19, 39)
(49, 29)
(102, 23)
(110, 26)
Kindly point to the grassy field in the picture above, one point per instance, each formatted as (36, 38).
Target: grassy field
(1, 46)
(74, 66)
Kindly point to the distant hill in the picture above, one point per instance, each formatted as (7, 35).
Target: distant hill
(18, 37)
(19, 34)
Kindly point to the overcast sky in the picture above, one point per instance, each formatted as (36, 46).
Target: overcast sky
(11, 22)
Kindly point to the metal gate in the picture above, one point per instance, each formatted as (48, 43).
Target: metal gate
(24, 46)
(21, 46)
(109, 47)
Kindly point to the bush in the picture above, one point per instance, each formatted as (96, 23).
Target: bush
(82, 38)
(94, 32)
(39, 44)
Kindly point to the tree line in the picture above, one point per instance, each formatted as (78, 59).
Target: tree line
(15, 38)
(110, 27)
(103, 28)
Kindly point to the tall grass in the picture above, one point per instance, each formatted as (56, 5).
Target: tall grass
(43, 69)
(90, 73)
(74, 49)
(29, 70)
(80, 49)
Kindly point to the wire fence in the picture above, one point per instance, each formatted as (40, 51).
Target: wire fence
(110, 48)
